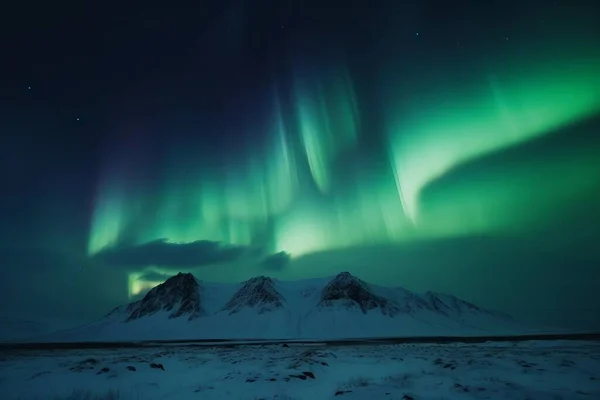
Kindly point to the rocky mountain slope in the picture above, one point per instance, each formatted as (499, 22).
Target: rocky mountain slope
(258, 293)
(348, 291)
(179, 295)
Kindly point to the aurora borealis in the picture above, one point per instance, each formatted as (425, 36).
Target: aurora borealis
(289, 193)
(326, 136)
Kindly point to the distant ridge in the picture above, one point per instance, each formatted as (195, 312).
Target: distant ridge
(262, 308)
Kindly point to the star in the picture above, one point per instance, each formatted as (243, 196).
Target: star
(28, 87)
(417, 33)
(77, 118)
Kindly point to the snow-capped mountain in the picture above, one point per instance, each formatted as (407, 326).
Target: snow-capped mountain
(179, 295)
(258, 293)
(348, 291)
(342, 306)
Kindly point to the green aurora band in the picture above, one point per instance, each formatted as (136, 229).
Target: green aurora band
(502, 112)
(290, 197)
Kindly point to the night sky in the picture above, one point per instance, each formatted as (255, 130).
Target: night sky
(433, 145)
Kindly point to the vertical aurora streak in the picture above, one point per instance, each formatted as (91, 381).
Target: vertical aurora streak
(121, 195)
(328, 121)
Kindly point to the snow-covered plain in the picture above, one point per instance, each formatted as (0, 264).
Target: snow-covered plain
(532, 370)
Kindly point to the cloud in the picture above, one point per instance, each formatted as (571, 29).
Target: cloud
(276, 261)
(153, 276)
(171, 255)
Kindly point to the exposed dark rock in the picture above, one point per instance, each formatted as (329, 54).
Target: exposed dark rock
(84, 365)
(131, 368)
(103, 371)
(157, 366)
(309, 374)
(179, 294)
(461, 388)
(354, 292)
(258, 293)
(36, 375)
(341, 392)
(303, 377)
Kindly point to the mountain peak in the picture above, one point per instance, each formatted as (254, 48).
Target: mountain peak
(352, 292)
(178, 294)
(259, 293)
(345, 277)
(181, 276)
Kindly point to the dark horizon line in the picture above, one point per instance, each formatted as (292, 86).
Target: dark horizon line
(7, 346)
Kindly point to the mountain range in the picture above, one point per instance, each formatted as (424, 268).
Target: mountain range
(338, 307)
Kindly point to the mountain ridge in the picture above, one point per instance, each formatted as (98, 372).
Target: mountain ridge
(340, 306)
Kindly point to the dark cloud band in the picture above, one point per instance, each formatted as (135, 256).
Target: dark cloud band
(166, 254)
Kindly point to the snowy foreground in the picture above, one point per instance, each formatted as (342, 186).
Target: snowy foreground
(519, 370)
